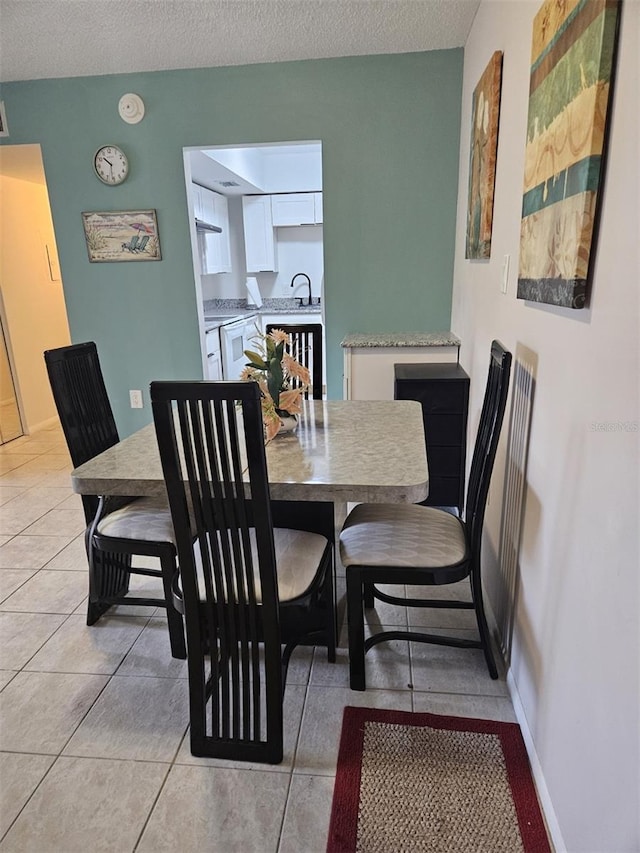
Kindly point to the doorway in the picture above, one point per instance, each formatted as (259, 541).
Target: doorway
(33, 313)
(10, 420)
(268, 171)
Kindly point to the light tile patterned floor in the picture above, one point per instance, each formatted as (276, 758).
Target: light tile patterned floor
(93, 720)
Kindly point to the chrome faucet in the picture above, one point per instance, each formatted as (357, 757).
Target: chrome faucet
(300, 299)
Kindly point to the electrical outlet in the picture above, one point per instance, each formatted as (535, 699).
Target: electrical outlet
(136, 399)
(505, 273)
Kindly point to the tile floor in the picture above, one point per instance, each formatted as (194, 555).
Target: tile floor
(93, 720)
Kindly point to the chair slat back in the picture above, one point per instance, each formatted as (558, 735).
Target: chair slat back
(209, 434)
(81, 399)
(83, 405)
(306, 347)
(484, 454)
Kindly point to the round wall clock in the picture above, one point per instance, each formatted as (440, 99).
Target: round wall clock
(111, 165)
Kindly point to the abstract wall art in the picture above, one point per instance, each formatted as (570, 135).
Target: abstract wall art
(572, 71)
(485, 115)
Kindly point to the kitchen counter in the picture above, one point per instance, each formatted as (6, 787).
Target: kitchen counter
(370, 357)
(220, 311)
(401, 339)
(288, 306)
(269, 306)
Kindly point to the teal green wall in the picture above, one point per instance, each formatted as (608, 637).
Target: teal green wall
(389, 127)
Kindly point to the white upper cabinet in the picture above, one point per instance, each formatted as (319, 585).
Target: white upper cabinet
(259, 236)
(214, 249)
(296, 209)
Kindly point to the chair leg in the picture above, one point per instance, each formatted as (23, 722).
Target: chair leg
(174, 618)
(355, 619)
(369, 600)
(95, 611)
(332, 624)
(483, 628)
(108, 579)
(198, 703)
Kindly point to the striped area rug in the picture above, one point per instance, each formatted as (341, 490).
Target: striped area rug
(408, 783)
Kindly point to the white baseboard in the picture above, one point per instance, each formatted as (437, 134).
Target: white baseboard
(31, 428)
(536, 768)
(549, 814)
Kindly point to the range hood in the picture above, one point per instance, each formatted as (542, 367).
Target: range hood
(201, 225)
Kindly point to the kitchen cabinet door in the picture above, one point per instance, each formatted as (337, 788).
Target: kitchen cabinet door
(196, 196)
(293, 209)
(214, 367)
(214, 207)
(259, 236)
(214, 248)
(214, 356)
(317, 206)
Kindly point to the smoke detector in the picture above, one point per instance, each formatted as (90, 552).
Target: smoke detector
(131, 108)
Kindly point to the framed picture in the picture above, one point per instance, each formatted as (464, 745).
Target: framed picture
(573, 61)
(122, 235)
(4, 130)
(485, 114)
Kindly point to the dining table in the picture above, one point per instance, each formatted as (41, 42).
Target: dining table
(342, 452)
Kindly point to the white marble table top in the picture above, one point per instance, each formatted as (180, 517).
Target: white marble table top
(347, 450)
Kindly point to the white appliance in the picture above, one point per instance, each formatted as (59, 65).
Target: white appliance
(235, 338)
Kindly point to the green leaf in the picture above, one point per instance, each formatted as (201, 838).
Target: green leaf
(274, 380)
(256, 360)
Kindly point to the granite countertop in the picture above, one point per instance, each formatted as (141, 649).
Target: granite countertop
(400, 339)
(288, 306)
(269, 306)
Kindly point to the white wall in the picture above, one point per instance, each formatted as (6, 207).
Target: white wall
(300, 249)
(34, 304)
(575, 657)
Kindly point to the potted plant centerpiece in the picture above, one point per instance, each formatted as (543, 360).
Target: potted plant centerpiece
(282, 380)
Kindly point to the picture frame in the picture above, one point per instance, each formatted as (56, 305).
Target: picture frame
(573, 60)
(485, 118)
(4, 129)
(121, 236)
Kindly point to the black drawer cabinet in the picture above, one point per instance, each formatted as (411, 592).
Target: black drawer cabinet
(443, 390)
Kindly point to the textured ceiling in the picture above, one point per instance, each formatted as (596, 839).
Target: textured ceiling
(70, 38)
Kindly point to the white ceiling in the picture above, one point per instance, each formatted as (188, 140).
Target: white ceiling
(70, 38)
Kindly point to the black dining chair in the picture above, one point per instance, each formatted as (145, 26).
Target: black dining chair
(398, 544)
(117, 527)
(250, 592)
(306, 347)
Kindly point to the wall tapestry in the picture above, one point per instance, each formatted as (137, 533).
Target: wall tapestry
(572, 70)
(485, 114)
(122, 235)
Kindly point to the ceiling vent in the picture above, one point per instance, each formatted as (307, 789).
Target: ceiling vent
(228, 183)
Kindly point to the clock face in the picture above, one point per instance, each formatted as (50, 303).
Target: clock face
(111, 165)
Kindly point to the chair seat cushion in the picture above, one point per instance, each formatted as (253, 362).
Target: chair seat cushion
(404, 535)
(146, 519)
(298, 556)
